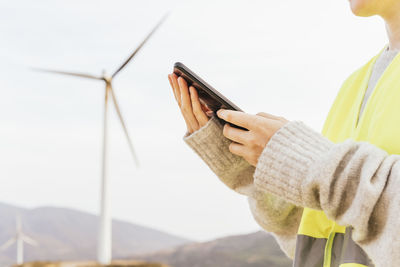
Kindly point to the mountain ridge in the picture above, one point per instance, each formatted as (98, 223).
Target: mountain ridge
(66, 234)
(257, 249)
(70, 234)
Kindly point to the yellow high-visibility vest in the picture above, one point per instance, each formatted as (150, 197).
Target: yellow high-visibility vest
(320, 241)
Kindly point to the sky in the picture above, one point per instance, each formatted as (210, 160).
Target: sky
(286, 57)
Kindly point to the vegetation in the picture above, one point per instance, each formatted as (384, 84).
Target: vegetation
(90, 264)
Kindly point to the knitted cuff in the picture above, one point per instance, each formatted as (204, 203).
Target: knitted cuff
(285, 161)
(212, 146)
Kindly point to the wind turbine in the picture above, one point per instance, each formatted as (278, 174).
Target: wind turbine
(104, 235)
(19, 238)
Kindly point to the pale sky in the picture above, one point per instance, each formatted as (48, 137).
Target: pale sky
(286, 57)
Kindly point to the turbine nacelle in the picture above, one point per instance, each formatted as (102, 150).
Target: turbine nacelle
(105, 77)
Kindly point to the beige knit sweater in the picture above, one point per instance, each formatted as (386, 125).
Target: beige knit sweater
(355, 183)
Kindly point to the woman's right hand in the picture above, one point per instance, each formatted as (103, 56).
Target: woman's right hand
(196, 114)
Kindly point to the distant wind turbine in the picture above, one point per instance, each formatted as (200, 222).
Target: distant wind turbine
(104, 239)
(19, 238)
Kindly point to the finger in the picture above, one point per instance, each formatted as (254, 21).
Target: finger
(238, 149)
(196, 106)
(188, 126)
(267, 115)
(244, 152)
(186, 106)
(172, 86)
(205, 108)
(209, 113)
(175, 85)
(238, 118)
(235, 134)
(170, 78)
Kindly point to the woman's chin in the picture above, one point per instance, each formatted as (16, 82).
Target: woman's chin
(360, 8)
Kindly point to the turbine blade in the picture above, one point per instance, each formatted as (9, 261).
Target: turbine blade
(114, 98)
(8, 243)
(29, 240)
(140, 46)
(81, 75)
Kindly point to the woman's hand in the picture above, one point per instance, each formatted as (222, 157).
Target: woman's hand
(196, 114)
(250, 144)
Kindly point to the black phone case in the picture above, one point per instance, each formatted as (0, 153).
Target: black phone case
(207, 94)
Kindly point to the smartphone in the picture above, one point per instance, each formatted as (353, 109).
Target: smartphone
(208, 95)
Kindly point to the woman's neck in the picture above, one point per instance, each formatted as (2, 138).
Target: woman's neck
(393, 30)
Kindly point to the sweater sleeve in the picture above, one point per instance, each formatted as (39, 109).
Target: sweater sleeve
(355, 183)
(270, 212)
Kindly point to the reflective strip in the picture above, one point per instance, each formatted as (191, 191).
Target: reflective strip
(309, 251)
(339, 250)
(328, 250)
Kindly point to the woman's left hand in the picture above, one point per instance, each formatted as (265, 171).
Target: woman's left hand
(250, 144)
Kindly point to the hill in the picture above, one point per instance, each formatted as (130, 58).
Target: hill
(253, 250)
(70, 236)
(66, 234)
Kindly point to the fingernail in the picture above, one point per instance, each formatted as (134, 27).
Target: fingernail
(221, 113)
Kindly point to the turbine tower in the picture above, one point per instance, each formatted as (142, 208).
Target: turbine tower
(104, 248)
(19, 238)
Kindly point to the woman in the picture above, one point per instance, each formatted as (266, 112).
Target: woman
(330, 199)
